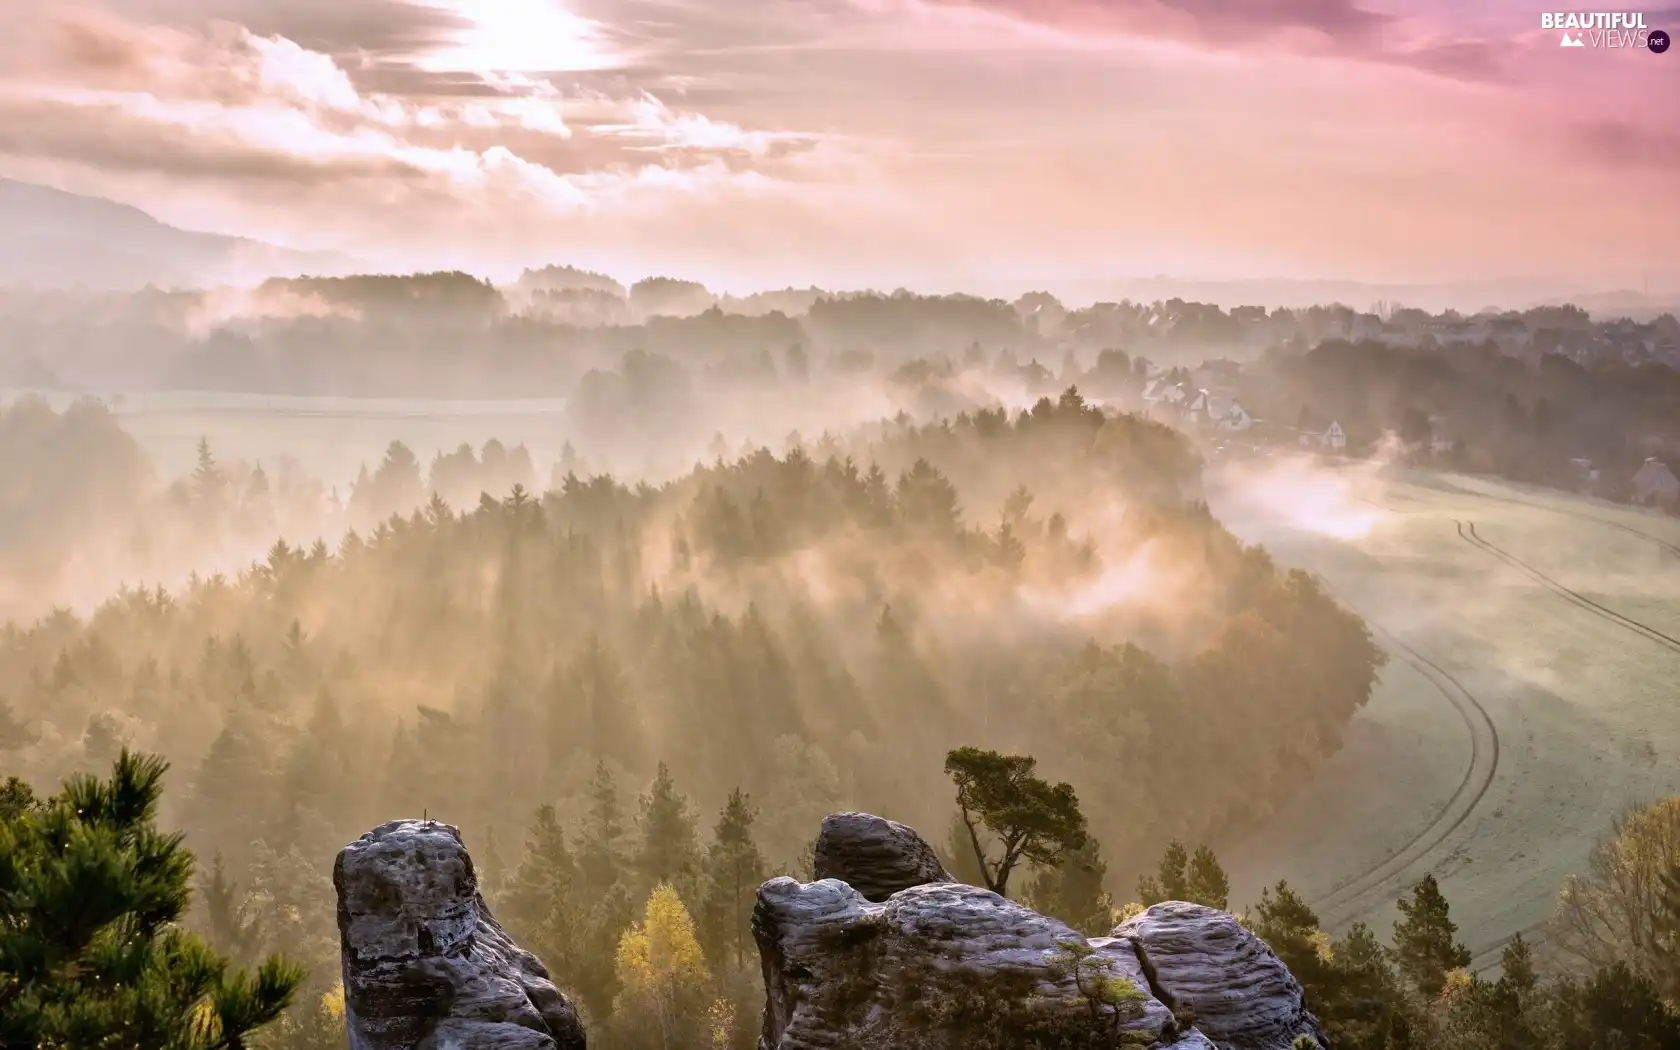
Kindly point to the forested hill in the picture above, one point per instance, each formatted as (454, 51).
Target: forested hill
(817, 633)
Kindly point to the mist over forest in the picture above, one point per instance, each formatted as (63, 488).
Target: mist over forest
(749, 560)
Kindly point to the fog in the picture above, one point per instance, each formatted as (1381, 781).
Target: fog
(342, 550)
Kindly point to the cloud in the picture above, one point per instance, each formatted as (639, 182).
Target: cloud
(1321, 28)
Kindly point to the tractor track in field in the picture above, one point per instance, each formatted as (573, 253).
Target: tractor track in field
(1478, 777)
(1467, 533)
(1671, 548)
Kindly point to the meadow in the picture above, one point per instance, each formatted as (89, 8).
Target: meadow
(1534, 643)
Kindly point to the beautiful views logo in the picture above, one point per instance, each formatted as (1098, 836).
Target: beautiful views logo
(1619, 29)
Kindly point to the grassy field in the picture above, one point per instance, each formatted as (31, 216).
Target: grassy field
(328, 437)
(1533, 692)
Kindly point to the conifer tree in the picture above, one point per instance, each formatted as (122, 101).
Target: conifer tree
(1207, 884)
(1073, 892)
(668, 852)
(544, 877)
(232, 926)
(601, 845)
(1170, 881)
(1424, 942)
(1290, 928)
(734, 869)
(91, 953)
(1029, 819)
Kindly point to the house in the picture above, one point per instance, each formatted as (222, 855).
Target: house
(1236, 418)
(1654, 484)
(1440, 439)
(1584, 469)
(1332, 437)
(1203, 408)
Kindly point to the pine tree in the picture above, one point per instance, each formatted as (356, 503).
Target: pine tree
(1207, 883)
(1073, 892)
(91, 953)
(14, 733)
(232, 927)
(544, 877)
(539, 903)
(1423, 939)
(1170, 882)
(1290, 928)
(1030, 820)
(601, 843)
(669, 852)
(734, 869)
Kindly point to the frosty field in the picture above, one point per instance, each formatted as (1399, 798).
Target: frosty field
(1531, 693)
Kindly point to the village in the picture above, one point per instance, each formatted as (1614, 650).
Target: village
(1204, 403)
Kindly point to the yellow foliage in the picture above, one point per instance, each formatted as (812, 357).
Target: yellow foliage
(660, 964)
(720, 1022)
(1323, 947)
(1458, 982)
(661, 951)
(333, 1002)
(1128, 911)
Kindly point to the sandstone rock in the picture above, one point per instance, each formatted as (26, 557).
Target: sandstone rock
(1240, 994)
(426, 966)
(940, 966)
(874, 855)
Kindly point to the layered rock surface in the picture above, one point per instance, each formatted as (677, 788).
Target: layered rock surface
(901, 964)
(1202, 962)
(874, 855)
(426, 965)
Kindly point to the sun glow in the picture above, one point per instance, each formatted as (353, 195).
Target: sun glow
(533, 36)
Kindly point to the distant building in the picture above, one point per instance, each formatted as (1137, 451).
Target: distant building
(1655, 485)
(1236, 418)
(1440, 438)
(1332, 437)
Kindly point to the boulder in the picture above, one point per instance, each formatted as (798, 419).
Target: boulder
(942, 966)
(426, 966)
(874, 855)
(1202, 963)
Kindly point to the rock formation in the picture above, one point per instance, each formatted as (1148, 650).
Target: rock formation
(943, 966)
(426, 966)
(874, 855)
(1203, 962)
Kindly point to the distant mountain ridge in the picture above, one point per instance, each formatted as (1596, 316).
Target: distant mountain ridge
(56, 239)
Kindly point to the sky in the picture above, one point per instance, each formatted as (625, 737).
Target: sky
(847, 143)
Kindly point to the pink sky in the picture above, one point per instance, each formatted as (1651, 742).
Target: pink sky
(930, 143)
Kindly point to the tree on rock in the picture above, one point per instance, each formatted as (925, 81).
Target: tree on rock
(91, 953)
(1423, 939)
(1031, 820)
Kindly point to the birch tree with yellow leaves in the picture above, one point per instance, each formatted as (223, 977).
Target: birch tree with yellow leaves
(662, 974)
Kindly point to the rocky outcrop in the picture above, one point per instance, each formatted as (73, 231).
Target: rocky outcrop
(910, 960)
(426, 966)
(874, 855)
(1202, 962)
(941, 967)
